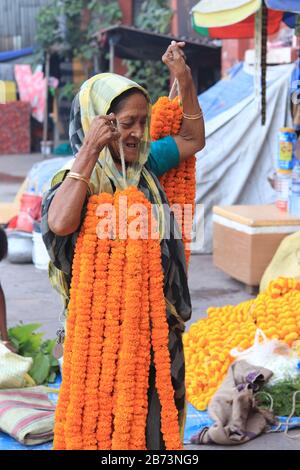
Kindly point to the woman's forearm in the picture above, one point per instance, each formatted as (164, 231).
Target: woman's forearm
(65, 210)
(191, 129)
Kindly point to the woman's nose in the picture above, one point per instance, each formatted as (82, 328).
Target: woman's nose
(138, 132)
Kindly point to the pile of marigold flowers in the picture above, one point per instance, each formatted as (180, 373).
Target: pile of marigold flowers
(208, 343)
(178, 183)
(116, 294)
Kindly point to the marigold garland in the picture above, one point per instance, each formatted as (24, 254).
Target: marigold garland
(81, 340)
(116, 289)
(140, 412)
(179, 183)
(98, 311)
(111, 344)
(130, 334)
(64, 394)
(208, 343)
(160, 340)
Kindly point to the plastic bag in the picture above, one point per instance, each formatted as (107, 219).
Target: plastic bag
(271, 354)
(261, 351)
(13, 368)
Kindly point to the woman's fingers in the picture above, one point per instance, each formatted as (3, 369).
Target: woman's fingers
(103, 130)
(179, 44)
(174, 52)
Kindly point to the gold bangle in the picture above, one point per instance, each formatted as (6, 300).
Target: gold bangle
(193, 116)
(77, 176)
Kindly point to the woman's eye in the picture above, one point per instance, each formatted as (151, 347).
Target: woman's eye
(126, 125)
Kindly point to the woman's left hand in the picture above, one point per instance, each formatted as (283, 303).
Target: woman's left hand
(175, 59)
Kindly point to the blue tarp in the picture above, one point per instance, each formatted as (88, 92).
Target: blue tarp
(226, 93)
(197, 420)
(11, 55)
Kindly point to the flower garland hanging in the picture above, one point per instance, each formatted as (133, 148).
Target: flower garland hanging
(140, 411)
(116, 291)
(179, 183)
(98, 311)
(64, 394)
(159, 339)
(130, 332)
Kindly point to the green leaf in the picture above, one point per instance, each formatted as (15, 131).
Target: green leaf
(40, 368)
(29, 342)
(52, 377)
(22, 332)
(48, 346)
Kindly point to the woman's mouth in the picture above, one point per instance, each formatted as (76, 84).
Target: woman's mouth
(131, 145)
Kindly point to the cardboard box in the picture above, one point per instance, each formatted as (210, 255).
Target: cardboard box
(245, 239)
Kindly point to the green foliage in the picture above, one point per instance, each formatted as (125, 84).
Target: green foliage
(30, 344)
(155, 16)
(48, 32)
(68, 91)
(282, 394)
(69, 25)
(151, 74)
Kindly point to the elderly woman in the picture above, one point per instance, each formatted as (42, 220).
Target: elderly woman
(102, 101)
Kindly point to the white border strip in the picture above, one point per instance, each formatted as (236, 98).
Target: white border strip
(253, 230)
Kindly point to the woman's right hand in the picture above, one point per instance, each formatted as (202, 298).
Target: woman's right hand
(103, 131)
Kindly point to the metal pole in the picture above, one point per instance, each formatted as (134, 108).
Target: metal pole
(47, 70)
(111, 55)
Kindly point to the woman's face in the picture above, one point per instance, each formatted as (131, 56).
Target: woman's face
(132, 117)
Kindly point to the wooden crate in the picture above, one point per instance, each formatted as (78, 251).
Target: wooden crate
(245, 239)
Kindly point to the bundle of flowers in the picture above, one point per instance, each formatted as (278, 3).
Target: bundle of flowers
(208, 343)
(116, 294)
(178, 183)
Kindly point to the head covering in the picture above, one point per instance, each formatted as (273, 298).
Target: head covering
(94, 99)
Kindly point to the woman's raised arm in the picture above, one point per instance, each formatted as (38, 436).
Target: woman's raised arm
(191, 136)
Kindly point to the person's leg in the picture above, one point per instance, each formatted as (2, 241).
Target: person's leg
(3, 326)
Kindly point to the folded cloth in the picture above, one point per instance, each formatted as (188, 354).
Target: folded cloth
(233, 407)
(27, 415)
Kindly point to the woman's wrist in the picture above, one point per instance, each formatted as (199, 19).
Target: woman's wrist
(89, 152)
(85, 160)
(185, 78)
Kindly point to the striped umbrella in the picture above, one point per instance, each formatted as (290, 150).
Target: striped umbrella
(234, 19)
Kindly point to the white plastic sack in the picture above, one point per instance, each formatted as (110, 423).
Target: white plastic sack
(13, 368)
(271, 354)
